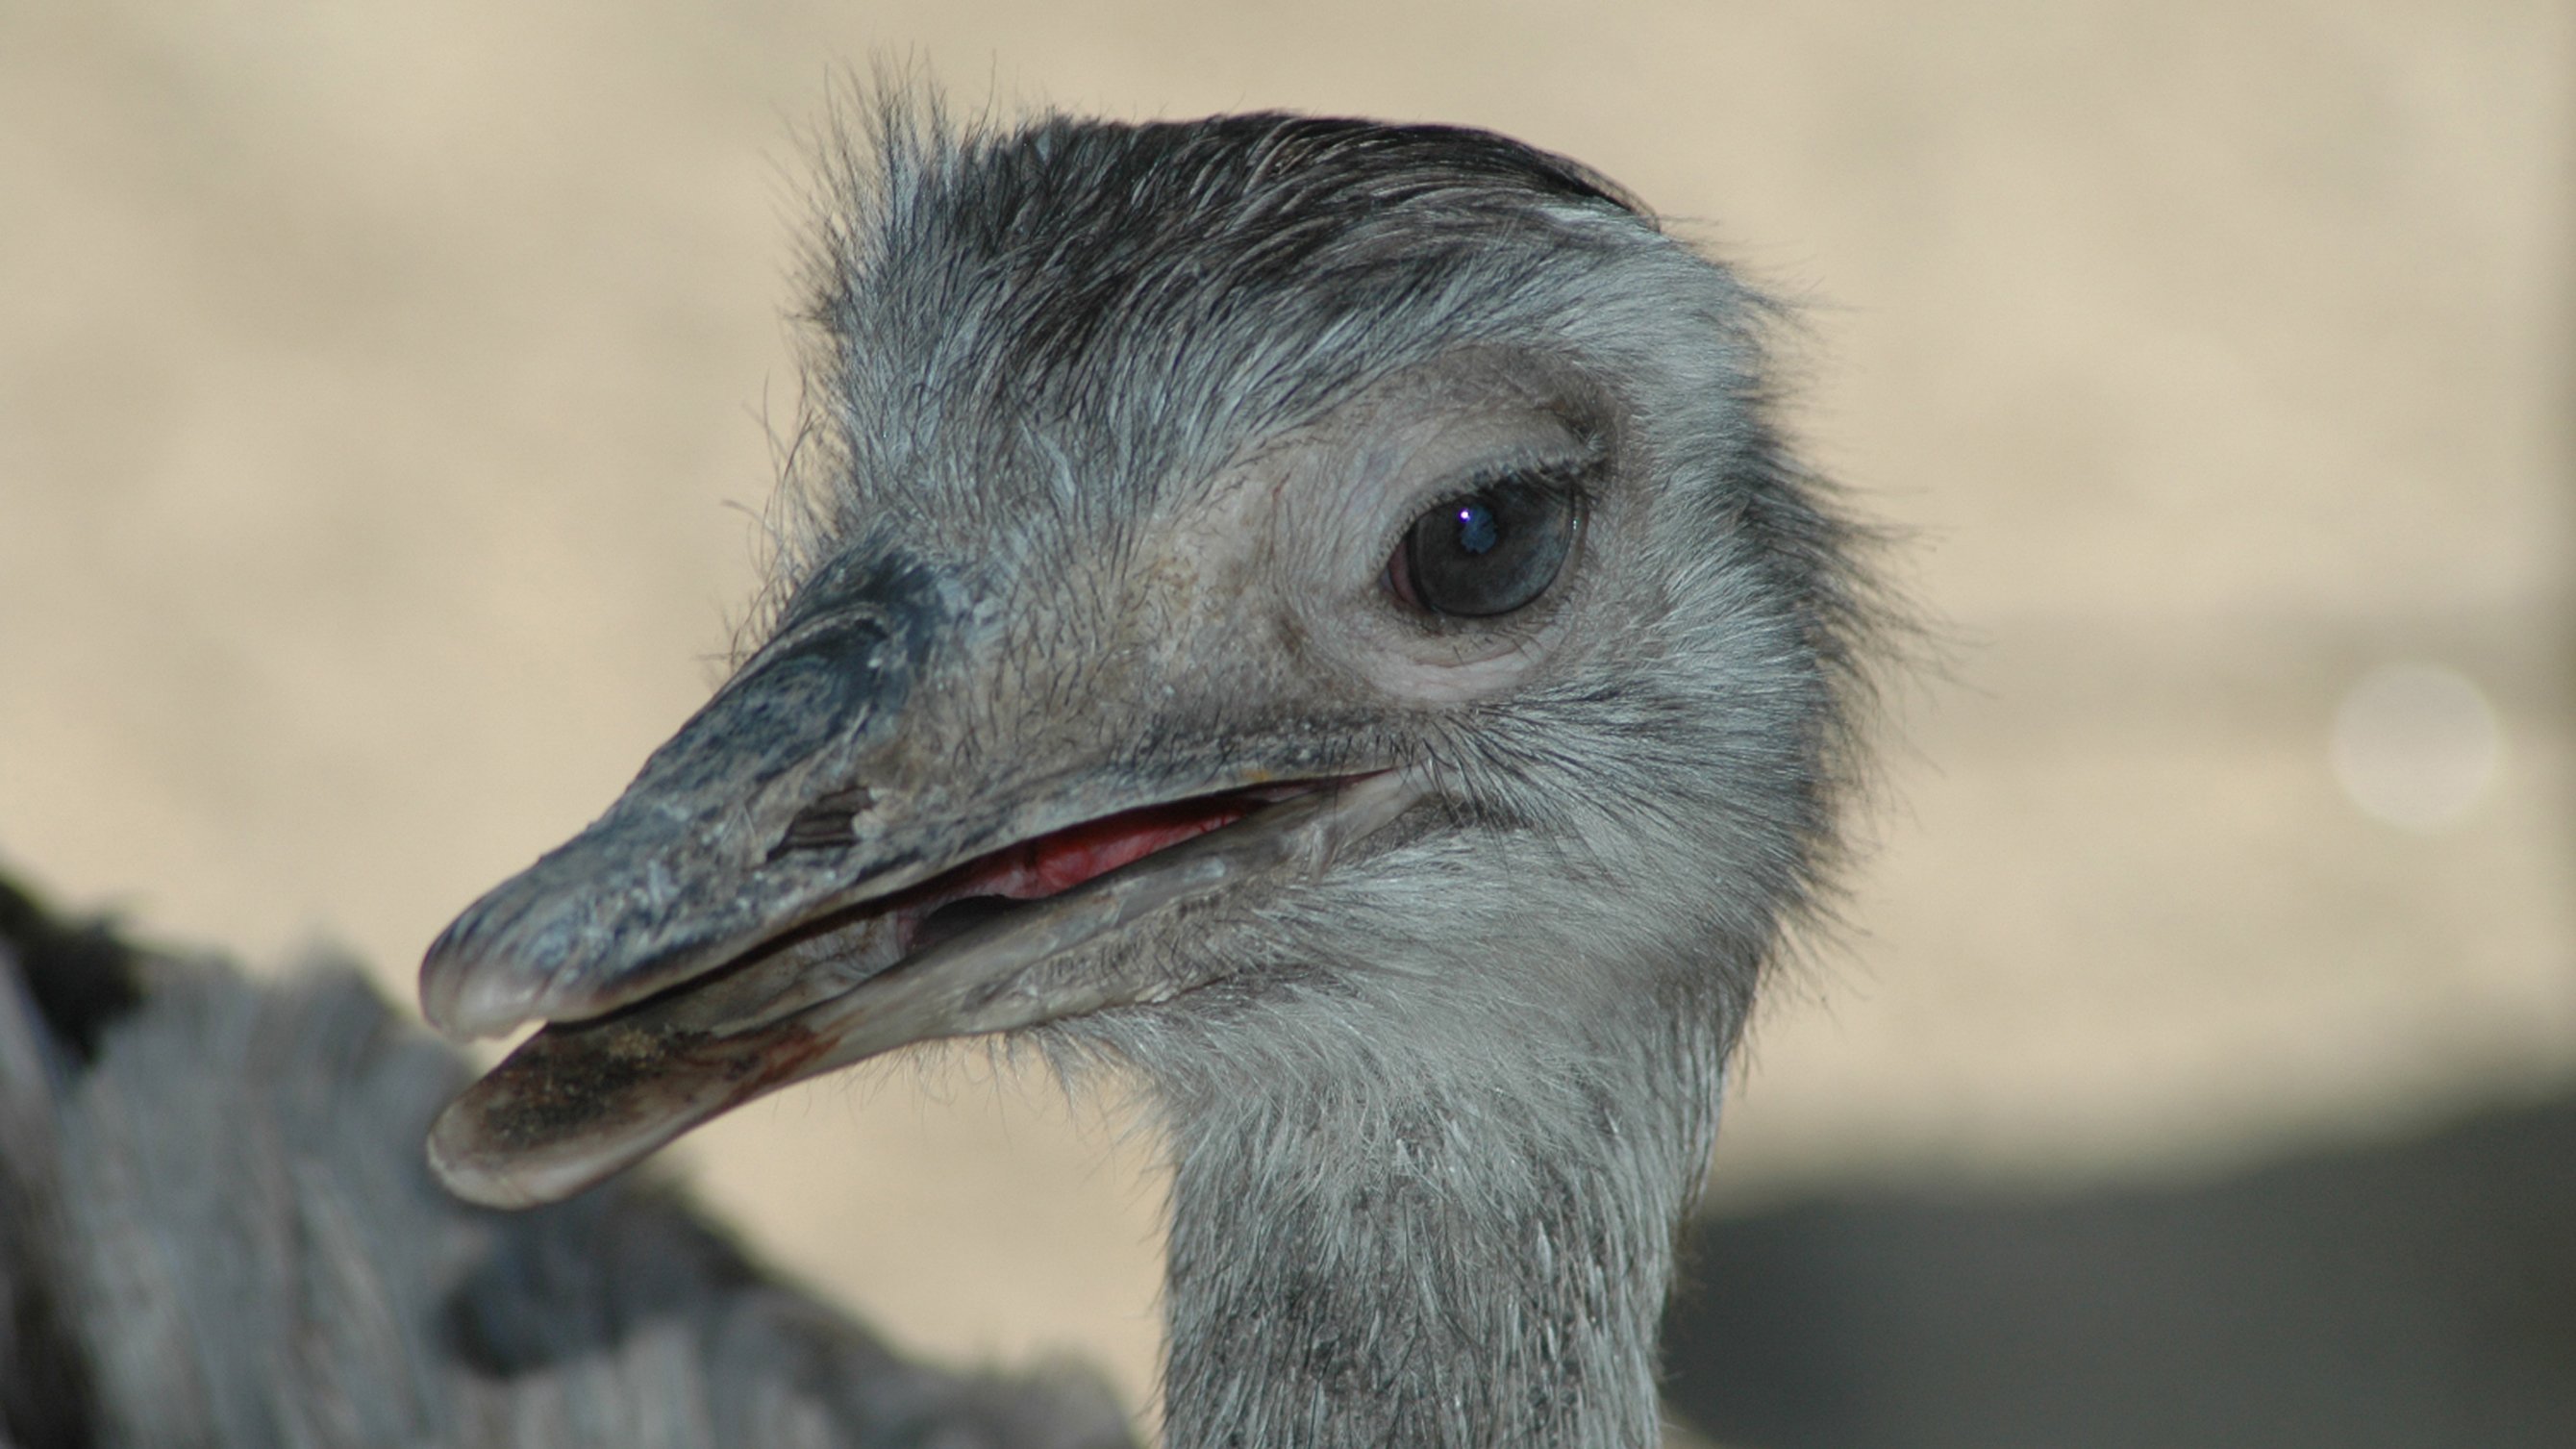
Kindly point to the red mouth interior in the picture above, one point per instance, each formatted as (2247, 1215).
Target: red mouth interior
(1056, 862)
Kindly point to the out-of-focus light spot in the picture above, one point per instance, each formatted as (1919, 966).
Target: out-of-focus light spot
(2415, 745)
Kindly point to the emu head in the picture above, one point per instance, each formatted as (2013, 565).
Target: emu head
(1311, 608)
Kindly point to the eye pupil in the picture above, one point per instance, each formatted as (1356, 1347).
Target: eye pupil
(1478, 529)
(1488, 553)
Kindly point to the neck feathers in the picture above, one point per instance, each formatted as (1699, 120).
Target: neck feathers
(1431, 1262)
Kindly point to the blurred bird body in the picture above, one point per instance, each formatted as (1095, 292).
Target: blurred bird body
(216, 1229)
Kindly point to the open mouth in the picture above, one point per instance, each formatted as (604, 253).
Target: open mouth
(999, 883)
(984, 946)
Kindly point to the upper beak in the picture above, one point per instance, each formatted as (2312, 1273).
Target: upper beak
(736, 921)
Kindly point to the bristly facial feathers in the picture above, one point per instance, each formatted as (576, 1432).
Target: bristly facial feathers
(1314, 610)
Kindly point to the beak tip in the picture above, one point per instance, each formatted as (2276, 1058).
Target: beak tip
(476, 1176)
(462, 1003)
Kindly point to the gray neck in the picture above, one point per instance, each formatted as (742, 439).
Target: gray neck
(1419, 1274)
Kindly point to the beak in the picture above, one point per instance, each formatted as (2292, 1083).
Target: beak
(760, 907)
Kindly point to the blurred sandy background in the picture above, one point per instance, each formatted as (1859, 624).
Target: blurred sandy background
(380, 386)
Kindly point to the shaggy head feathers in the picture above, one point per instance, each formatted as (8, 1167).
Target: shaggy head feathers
(1456, 1104)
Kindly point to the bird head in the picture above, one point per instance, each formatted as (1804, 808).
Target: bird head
(1258, 595)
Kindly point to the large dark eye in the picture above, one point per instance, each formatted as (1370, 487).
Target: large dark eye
(1487, 552)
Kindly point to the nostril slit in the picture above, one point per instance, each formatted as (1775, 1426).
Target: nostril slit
(826, 823)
